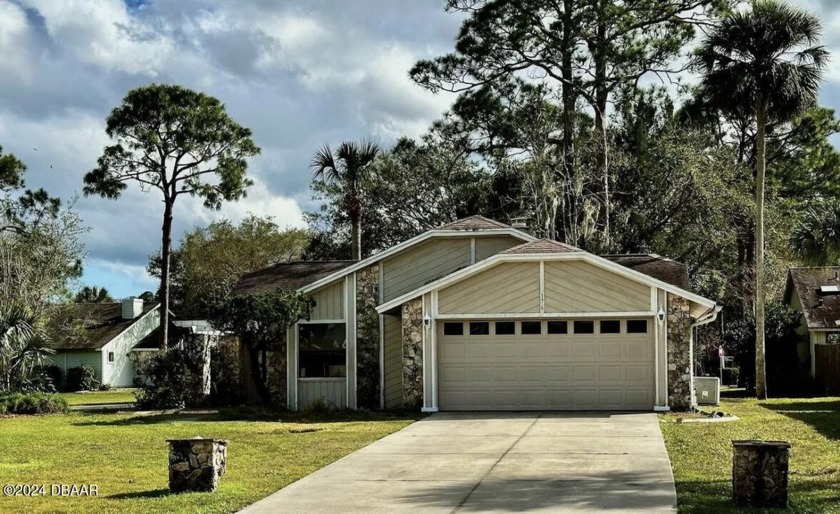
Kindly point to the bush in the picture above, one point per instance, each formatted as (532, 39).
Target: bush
(82, 378)
(164, 388)
(105, 387)
(32, 403)
(42, 380)
(730, 376)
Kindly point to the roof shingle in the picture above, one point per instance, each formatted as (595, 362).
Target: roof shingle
(473, 223)
(820, 310)
(652, 265)
(287, 276)
(102, 322)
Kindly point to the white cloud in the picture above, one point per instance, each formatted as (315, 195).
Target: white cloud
(14, 42)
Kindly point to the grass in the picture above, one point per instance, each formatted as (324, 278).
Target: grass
(125, 455)
(701, 453)
(100, 397)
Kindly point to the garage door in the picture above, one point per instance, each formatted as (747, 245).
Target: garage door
(546, 365)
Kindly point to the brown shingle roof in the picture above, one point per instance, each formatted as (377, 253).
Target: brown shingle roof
(542, 246)
(805, 283)
(660, 268)
(287, 276)
(474, 223)
(102, 321)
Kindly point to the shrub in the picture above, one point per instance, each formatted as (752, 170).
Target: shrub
(54, 374)
(164, 388)
(82, 378)
(40, 380)
(32, 403)
(105, 387)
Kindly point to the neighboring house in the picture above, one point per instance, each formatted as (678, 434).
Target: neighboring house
(109, 333)
(477, 315)
(815, 292)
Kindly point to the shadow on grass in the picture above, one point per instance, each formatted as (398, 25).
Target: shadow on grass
(155, 493)
(823, 416)
(249, 413)
(715, 496)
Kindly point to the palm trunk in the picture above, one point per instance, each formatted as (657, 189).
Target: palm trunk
(760, 377)
(165, 251)
(356, 235)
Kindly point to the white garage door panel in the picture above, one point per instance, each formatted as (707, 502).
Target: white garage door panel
(545, 372)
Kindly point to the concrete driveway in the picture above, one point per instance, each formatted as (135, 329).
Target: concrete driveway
(496, 462)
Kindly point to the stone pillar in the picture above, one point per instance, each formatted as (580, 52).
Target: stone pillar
(196, 464)
(367, 338)
(760, 473)
(412, 353)
(680, 391)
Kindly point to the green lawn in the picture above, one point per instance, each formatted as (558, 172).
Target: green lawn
(99, 397)
(126, 456)
(701, 453)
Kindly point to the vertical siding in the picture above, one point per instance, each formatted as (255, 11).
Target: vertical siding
(330, 391)
(422, 264)
(575, 286)
(329, 302)
(488, 246)
(393, 361)
(66, 359)
(510, 287)
(120, 373)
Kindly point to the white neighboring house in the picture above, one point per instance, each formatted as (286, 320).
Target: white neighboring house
(113, 330)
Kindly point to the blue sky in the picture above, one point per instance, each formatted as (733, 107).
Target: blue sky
(298, 73)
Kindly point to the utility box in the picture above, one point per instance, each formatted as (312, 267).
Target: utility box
(707, 390)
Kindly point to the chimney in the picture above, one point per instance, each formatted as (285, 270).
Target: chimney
(132, 307)
(520, 223)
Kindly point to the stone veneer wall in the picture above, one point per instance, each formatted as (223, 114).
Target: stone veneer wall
(196, 464)
(367, 337)
(679, 354)
(412, 353)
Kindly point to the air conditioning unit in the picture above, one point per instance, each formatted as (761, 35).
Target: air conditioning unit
(707, 390)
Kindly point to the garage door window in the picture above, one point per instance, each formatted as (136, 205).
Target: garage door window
(557, 327)
(322, 350)
(531, 328)
(453, 329)
(637, 326)
(610, 326)
(584, 327)
(479, 328)
(505, 328)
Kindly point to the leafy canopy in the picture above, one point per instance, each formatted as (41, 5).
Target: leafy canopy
(169, 137)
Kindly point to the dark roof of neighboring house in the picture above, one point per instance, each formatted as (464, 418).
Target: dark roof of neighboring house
(652, 265)
(103, 322)
(287, 276)
(474, 223)
(542, 246)
(820, 310)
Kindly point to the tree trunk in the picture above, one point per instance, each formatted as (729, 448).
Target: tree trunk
(760, 377)
(569, 95)
(356, 231)
(257, 375)
(601, 96)
(165, 251)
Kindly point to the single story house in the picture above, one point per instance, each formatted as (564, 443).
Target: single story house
(111, 331)
(815, 292)
(477, 315)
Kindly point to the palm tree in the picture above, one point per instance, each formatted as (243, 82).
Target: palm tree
(817, 238)
(23, 347)
(92, 294)
(348, 167)
(767, 60)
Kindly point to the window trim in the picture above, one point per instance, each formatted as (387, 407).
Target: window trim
(298, 341)
(112, 357)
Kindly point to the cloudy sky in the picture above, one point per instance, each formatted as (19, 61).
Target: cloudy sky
(298, 73)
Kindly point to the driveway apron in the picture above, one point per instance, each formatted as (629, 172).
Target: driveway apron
(496, 462)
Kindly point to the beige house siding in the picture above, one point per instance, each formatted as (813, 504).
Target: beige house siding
(331, 391)
(422, 264)
(510, 287)
(488, 246)
(329, 302)
(575, 286)
(393, 361)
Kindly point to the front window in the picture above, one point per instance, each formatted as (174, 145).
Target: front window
(322, 351)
